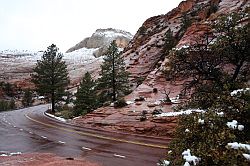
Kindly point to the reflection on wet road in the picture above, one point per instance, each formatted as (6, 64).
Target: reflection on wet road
(28, 130)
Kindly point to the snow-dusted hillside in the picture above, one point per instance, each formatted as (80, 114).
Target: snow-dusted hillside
(16, 65)
(101, 39)
(83, 55)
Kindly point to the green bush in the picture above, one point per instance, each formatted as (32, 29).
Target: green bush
(65, 112)
(4, 105)
(207, 134)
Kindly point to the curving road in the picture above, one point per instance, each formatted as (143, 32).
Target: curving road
(29, 130)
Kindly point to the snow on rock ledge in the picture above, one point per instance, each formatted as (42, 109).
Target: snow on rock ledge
(187, 112)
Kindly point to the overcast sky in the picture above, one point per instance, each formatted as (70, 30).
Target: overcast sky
(36, 24)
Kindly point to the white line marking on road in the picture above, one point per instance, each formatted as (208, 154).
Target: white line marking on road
(44, 137)
(85, 148)
(120, 156)
(30, 132)
(61, 142)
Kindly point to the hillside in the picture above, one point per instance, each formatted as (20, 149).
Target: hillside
(145, 59)
(16, 65)
(101, 39)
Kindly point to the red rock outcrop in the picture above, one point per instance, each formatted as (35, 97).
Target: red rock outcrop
(145, 58)
(42, 159)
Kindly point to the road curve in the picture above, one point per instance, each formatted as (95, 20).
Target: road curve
(29, 130)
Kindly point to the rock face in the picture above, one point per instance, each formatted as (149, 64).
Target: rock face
(145, 58)
(101, 40)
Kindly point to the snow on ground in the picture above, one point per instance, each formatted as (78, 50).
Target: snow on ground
(186, 112)
(113, 33)
(81, 55)
(130, 102)
(56, 117)
(10, 154)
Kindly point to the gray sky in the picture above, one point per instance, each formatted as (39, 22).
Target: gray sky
(35, 24)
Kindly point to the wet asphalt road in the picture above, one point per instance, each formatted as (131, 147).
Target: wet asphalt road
(29, 130)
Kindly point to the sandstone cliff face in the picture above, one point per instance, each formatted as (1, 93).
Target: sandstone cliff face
(144, 54)
(101, 40)
(145, 58)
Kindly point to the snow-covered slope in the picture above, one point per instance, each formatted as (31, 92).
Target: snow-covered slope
(16, 65)
(83, 54)
(101, 39)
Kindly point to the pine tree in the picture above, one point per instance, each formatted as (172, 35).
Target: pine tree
(114, 77)
(27, 99)
(51, 75)
(86, 98)
(170, 41)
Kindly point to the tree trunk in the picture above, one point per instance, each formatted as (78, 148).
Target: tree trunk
(237, 70)
(113, 79)
(53, 102)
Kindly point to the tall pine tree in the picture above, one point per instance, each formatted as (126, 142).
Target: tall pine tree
(86, 97)
(114, 77)
(51, 75)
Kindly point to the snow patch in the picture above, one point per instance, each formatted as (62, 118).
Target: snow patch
(61, 142)
(130, 102)
(56, 117)
(5, 154)
(166, 162)
(120, 156)
(189, 158)
(200, 121)
(236, 145)
(247, 156)
(220, 113)
(186, 112)
(239, 91)
(234, 125)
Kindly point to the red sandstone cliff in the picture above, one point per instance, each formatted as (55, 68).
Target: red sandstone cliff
(145, 57)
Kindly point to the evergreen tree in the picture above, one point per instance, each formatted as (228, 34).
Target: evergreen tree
(114, 77)
(234, 44)
(12, 104)
(51, 75)
(27, 99)
(8, 89)
(86, 98)
(170, 41)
